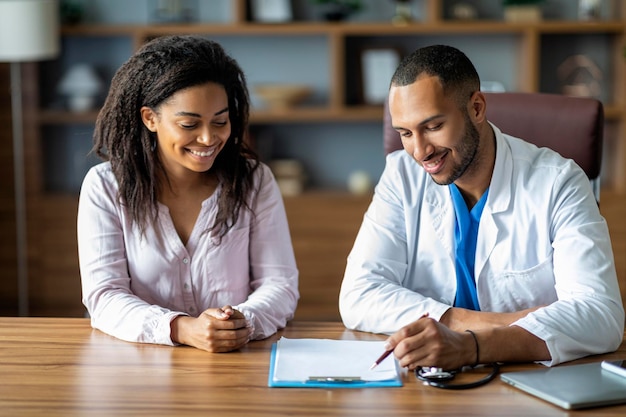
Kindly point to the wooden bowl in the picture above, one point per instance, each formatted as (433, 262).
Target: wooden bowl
(282, 96)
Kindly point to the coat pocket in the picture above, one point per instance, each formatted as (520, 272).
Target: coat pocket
(517, 290)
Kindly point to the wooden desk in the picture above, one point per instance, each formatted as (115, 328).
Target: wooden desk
(53, 367)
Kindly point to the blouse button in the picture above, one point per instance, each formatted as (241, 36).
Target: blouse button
(185, 260)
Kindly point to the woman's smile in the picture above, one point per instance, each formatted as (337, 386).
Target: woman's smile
(203, 153)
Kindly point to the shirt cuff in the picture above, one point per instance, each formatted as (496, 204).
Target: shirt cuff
(164, 331)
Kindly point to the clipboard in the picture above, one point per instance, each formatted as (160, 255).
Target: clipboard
(354, 356)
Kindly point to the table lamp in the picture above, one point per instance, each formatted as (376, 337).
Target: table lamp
(29, 31)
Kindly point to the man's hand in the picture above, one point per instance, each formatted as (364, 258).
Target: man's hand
(426, 342)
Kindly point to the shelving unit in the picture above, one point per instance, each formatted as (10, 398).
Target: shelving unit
(52, 209)
(529, 35)
(338, 99)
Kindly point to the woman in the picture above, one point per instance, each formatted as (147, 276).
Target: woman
(182, 232)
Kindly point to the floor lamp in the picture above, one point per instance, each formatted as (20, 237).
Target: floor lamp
(29, 31)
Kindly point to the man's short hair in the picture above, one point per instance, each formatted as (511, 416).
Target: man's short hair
(455, 71)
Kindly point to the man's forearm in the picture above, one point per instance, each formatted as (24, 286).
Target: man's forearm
(510, 344)
(460, 319)
(498, 341)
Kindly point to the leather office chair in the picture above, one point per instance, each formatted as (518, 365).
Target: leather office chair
(572, 126)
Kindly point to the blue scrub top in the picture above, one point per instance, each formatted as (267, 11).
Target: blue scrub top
(465, 235)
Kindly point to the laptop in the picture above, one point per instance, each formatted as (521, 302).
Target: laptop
(571, 387)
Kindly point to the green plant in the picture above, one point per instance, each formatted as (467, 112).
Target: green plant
(351, 6)
(337, 10)
(71, 12)
(521, 2)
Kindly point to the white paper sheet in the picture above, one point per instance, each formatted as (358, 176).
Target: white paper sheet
(300, 359)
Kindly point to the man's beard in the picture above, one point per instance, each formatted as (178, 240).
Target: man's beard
(467, 150)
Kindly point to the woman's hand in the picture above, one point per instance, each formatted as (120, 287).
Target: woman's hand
(214, 330)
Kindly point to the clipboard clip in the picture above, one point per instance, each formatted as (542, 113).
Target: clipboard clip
(335, 379)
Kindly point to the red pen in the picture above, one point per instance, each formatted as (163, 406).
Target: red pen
(388, 352)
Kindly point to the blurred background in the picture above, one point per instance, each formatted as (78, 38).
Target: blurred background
(318, 72)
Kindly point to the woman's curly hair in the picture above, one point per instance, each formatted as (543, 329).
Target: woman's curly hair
(160, 68)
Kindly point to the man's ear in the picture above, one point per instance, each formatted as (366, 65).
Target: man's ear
(149, 118)
(478, 107)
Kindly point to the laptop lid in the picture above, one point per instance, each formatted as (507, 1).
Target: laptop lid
(571, 386)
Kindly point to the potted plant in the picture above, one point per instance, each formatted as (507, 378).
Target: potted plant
(338, 10)
(522, 10)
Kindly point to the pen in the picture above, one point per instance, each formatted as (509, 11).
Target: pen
(388, 352)
(381, 358)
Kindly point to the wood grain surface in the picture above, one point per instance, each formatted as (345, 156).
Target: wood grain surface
(62, 367)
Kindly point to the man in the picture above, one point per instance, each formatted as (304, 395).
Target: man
(499, 243)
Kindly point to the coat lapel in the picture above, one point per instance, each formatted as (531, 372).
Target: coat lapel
(438, 205)
(498, 200)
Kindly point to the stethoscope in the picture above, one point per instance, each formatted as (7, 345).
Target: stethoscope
(440, 378)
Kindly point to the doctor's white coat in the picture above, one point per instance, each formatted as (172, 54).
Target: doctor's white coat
(541, 242)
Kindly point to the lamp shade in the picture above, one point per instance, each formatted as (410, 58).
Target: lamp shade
(29, 30)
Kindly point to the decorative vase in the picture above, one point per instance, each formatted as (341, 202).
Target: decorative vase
(589, 9)
(522, 13)
(81, 85)
(403, 13)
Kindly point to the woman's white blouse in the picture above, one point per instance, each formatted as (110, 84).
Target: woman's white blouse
(134, 285)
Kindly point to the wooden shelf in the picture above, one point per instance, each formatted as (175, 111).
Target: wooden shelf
(349, 28)
(257, 116)
(325, 114)
(362, 113)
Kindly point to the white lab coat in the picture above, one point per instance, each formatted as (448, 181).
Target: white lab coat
(541, 242)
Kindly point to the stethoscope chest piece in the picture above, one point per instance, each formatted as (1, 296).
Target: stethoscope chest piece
(433, 374)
